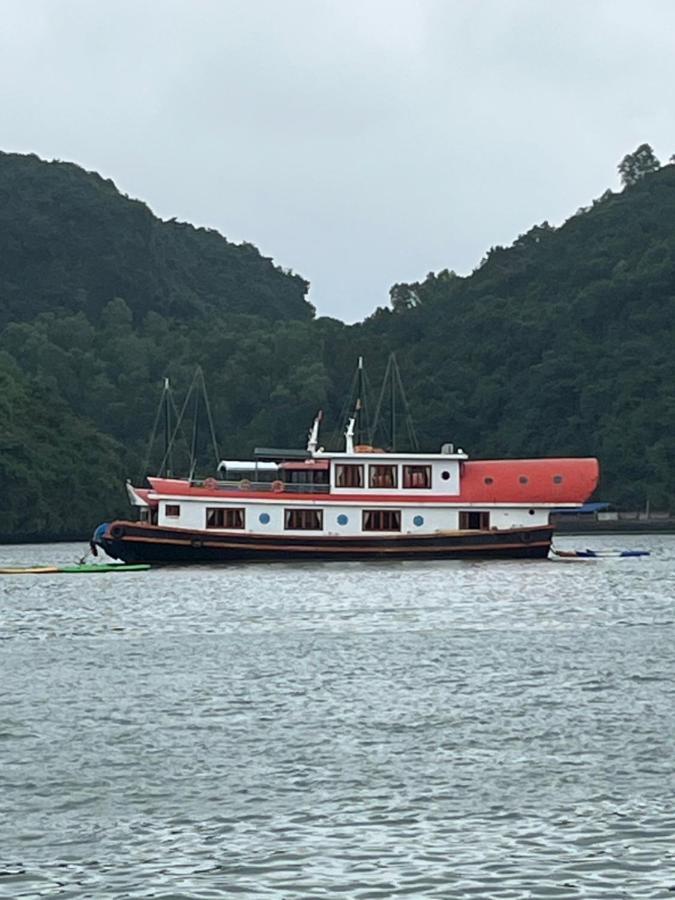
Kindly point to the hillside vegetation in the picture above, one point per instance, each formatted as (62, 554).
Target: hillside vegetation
(560, 344)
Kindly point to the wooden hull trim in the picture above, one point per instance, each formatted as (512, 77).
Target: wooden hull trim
(140, 542)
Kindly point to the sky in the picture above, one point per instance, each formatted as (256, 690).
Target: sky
(359, 143)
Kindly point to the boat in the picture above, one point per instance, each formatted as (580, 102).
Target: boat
(598, 554)
(359, 503)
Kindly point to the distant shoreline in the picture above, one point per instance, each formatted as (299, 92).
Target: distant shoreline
(577, 525)
(9, 541)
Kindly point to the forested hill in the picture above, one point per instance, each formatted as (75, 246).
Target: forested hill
(563, 343)
(69, 240)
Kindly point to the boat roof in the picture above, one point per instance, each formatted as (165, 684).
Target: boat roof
(387, 457)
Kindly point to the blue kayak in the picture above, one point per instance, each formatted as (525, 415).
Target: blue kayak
(598, 554)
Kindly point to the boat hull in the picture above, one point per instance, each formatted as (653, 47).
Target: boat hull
(135, 542)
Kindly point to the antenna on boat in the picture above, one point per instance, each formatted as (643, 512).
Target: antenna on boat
(360, 406)
(349, 436)
(313, 436)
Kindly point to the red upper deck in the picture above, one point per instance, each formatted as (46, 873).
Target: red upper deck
(557, 481)
(551, 482)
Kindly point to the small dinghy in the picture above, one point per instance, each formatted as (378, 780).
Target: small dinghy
(73, 570)
(598, 554)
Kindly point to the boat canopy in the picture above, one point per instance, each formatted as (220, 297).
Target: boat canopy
(246, 464)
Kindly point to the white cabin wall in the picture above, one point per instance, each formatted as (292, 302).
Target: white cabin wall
(439, 485)
(434, 518)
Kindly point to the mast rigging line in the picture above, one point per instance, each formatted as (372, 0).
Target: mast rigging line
(392, 380)
(198, 380)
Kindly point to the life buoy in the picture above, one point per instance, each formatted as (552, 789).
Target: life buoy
(244, 485)
(210, 483)
(277, 486)
(116, 532)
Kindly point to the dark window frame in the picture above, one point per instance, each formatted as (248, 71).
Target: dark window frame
(172, 510)
(474, 520)
(232, 518)
(348, 468)
(409, 476)
(376, 473)
(308, 476)
(381, 520)
(303, 519)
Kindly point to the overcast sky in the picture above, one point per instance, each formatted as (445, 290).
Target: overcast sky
(358, 142)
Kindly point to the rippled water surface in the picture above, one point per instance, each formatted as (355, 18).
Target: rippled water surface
(501, 730)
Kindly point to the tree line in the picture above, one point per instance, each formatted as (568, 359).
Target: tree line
(561, 343)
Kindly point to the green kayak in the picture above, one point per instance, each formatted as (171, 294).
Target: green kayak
(74, 570)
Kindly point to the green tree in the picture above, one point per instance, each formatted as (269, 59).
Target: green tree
(635, 166)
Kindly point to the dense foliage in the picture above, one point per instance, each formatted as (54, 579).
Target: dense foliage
(560, 344)
(69, 241)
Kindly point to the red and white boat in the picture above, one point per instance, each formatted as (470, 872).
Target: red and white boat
(361, 503)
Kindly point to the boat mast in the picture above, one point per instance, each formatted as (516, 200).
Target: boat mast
(359, 401)
(167, 428)
(392, 411)
(195, 436)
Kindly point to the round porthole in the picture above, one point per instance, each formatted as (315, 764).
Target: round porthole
(488, 480)
(264, 518)
(557, 479)
(342, 519)
(418, 520)
(531, 512)
(445, 475)
(523, 479)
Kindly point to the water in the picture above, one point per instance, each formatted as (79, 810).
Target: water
(498, 730)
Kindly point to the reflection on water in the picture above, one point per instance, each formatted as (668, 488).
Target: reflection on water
(441, 730)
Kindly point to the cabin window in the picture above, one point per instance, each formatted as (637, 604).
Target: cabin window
(348, 476)
(383, 477)
(474, 521)
(381, 519)
(416, 476)
(225, 517)
(172, 510)
(303, 519)
(306, 476)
